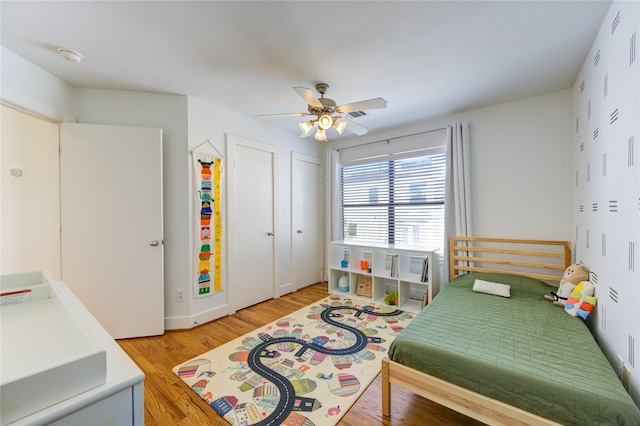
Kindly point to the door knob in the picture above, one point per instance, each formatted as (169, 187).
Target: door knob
(154, 243)
(299, 231)
(270, 233)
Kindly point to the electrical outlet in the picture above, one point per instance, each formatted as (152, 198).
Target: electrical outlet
(619, 364)
(180, 295)
(626, 376)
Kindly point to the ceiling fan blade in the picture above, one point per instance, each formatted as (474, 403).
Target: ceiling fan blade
(289, 114)
(362, 105)
(355, 127)
(308, 96)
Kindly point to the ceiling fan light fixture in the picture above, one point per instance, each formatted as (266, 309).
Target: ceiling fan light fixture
(306, 127)
(325, 121)
(340, 124)
(327, 113)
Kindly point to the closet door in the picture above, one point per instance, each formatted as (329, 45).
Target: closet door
(112, 229)
(29, 194)
(253, 233)
(306, 220)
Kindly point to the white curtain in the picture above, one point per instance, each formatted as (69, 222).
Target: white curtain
(333, 206)
(457, 203)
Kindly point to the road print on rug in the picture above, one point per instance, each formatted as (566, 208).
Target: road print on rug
(305, 369)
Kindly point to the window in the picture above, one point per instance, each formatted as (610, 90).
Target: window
(397, 201)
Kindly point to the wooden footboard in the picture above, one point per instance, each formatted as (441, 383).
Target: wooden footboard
(462, 400)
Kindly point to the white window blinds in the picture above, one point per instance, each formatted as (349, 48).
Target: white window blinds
(398, 200)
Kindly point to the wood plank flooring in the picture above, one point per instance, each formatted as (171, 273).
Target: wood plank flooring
(169, 401)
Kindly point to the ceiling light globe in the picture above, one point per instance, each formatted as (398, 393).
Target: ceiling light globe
(340, 124)
(320, 135)
(306, 127)
(325, 121)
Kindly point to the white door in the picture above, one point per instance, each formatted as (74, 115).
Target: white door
(251, 207)
(111, 211)
(306, 220)
(30, 194)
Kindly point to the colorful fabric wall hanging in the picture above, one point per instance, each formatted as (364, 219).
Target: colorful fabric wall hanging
(207, 169)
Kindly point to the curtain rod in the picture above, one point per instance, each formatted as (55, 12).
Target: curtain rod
(390, 139)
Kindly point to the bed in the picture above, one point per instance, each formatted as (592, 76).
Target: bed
(516, 360)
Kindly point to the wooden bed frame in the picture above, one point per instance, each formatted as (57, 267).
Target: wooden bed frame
(544, 260)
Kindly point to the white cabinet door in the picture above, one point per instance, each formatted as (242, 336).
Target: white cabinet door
(306, 219)
(112, 229)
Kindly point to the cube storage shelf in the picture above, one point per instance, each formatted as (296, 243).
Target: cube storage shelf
(390, 267)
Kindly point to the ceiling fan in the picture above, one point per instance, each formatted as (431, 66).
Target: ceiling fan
(328, 114)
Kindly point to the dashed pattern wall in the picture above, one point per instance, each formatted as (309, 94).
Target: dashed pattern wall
(607, 183)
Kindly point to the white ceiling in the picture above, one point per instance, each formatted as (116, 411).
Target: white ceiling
(426, 58)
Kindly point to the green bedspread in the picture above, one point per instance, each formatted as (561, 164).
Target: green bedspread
(520, 350)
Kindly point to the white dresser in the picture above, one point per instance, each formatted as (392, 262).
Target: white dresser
(58, 365)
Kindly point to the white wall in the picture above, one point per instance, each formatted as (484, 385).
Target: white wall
(520, 165)
(606, 182)
(33, 88)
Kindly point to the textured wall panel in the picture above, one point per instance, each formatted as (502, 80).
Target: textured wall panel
(607, 190)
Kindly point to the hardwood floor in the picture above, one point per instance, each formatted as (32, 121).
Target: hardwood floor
(169, 401)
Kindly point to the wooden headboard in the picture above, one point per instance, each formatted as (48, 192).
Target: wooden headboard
(544, 260)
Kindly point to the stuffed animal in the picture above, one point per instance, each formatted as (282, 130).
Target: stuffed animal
(581, 301)
(572, 276)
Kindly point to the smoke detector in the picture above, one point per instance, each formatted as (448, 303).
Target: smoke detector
(70, 55)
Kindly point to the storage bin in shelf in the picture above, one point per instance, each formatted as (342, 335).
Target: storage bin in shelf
(382, 286)
(414, 267)
(363, 284)
(412, 294)
(412, 305)
(386, 264)
(338, 284)
(339, 257)
(358, 257)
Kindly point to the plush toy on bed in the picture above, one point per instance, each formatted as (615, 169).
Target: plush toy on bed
(581, 301)
(572, 276)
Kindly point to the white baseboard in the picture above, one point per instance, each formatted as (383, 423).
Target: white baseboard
(285, 289)
(182, 323)
(186, 322)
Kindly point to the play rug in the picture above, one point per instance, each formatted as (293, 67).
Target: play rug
(305, 369)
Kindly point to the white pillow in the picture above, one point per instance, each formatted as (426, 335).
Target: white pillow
(492, 288)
